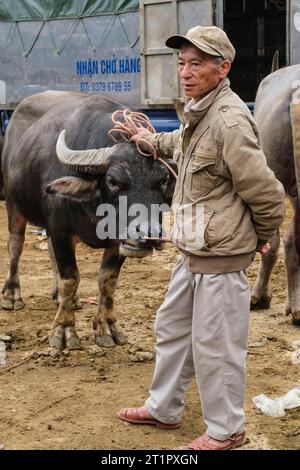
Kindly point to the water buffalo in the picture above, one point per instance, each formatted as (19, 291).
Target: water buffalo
(63, 195)
(277, 112)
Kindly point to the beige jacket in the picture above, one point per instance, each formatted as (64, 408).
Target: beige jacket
(223, 182)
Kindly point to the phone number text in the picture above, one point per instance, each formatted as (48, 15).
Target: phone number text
(113, 86)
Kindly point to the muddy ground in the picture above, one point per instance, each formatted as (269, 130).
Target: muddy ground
(69, 400)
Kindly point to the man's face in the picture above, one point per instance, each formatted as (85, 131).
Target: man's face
(199, 72)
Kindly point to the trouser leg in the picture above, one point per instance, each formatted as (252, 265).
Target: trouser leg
(174, 359)
(220, 335)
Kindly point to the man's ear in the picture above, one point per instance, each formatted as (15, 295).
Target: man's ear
(73, 186)
(224, 68)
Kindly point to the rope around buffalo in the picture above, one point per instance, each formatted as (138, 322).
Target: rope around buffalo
(127, 123)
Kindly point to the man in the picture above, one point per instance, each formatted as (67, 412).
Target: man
(202, 326)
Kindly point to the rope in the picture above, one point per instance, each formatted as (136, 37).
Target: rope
(130, 123)
(59, 48)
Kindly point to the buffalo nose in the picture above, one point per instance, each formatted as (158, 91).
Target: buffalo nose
(142, 232)
(145, 234)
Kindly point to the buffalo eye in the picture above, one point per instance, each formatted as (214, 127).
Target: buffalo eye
(164, 181)
(113, 183)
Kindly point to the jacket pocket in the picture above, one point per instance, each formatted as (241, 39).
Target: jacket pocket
(201, 174)
(194, 227)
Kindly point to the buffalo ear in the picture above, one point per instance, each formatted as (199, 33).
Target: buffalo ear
(172, 180)
(73, 186)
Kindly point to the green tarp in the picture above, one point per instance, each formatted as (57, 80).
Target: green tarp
(24, 10)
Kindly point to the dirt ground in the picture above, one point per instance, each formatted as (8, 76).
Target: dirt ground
(69, 400)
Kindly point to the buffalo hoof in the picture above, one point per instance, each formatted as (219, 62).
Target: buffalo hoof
(57, 339)
(105, 341)
(296, 318)
(119, 337)
(73, 343)
(288, 310)
(261, 303)
(71, 338)
(64, 337)
(295, 315)
(7, 304)
(56, 342)
(77, 305)
(19, 304)
(11, 304)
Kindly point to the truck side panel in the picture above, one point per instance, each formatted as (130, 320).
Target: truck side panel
(96, 54)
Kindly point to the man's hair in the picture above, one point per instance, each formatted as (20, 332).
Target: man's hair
(218, 60)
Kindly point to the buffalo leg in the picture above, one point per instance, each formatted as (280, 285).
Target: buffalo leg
(11, 299)
(76, 302)
(260, 297)
(292, 272)
(106, 329)
(64, 332)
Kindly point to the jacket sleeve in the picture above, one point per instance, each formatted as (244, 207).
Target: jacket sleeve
(164, 142)
(253, 180)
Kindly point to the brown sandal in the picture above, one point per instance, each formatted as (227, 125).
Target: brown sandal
(140, 415)
(205, 442)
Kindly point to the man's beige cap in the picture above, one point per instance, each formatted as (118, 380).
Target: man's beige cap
(209, 39)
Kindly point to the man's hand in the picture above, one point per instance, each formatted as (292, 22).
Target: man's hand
(140, 133)
(263, 246)
(140, 142)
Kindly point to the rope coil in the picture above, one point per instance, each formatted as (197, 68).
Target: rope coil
(127, 123)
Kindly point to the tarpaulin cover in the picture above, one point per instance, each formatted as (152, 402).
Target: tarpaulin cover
(24, 10)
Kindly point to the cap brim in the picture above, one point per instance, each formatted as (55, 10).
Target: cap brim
(175, 42)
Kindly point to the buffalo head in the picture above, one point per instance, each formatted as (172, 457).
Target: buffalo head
(132, 190)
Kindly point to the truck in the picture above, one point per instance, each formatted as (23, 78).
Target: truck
(117, 47)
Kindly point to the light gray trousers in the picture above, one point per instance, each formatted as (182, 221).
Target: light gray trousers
(202, 328)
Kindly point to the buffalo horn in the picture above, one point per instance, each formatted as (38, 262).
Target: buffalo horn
(92, 161)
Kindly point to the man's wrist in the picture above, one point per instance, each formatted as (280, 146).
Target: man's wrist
(263, 246)
(261, 242)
